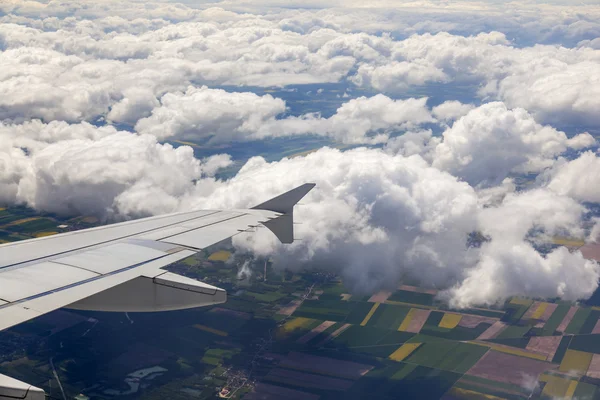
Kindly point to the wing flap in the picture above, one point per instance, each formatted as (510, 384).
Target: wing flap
(13, 389)
(15, 313)
(111, 258)
(167, 291)
(20, 283)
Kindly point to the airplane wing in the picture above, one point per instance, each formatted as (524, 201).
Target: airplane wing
(119, 267)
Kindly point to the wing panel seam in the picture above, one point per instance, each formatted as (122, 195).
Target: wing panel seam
(70, 265)
(72, 285)
(199, 227)
(107, 241)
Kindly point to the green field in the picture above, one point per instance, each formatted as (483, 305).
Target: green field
(587, 343)
(590, 322)
(330, 310)
(358, 336)
(403, 381)
(555, 319)
(449, 356)
(458, 333)
(358, 312)
(388, 316)
(406, 296)
(520, 343)
(562, 349)
(37, 225)
(513, 331)
(578, 320)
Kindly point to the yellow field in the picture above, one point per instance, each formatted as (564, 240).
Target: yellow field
(512, 350)
(557, 386)
(576, 362)
(296, 323)
(220, 256)
(471, 395)
(569, 242)
(404, 325)
(521, 301)
(400, 303)
(571, 389)
(537, 314)
(89, 220)
(210, 330)
(2, 208)
(346, 296)
(21, 221)
(404, 351)
(370, 314)
(44, 234)
(450, 321)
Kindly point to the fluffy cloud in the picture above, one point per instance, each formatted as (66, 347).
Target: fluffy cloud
(451, 110)
(509, 265)
(553, 82)
(202, 113)
(579, 178)
(527, 23)
(376, 218)
(360, 120)
(491, 141)
(82, 169)
(118, 65)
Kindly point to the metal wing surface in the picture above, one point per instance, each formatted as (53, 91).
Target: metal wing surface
(119, 267)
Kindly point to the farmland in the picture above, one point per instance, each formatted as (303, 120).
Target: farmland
(306, 336)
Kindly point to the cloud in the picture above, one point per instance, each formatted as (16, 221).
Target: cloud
(93, 64)
(201, 113)
(377, 218)
(451, 110)
(360, 120)
(579, 178)
(82, 169)
(414, 142)
(554, 83)
(509, 265)
(491, 141)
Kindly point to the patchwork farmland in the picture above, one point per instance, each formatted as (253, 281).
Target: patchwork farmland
(524, 349)
(306, 336)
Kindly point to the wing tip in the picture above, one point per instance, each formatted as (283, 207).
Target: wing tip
(283, 227)
(284, 203)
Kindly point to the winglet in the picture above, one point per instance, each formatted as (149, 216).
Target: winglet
(283, 226)
(284, 203)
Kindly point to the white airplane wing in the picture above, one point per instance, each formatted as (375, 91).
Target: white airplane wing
(119, 267)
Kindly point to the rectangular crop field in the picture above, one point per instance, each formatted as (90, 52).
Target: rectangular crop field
(405, 296)
(575, 362)
(404, 351)
(578, 320)
(555, 319)
(389, 316)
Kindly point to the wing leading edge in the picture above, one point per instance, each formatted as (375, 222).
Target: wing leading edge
(119, 267)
